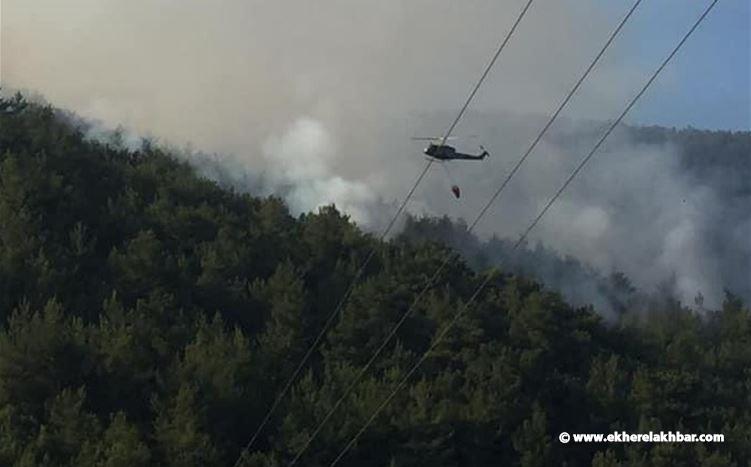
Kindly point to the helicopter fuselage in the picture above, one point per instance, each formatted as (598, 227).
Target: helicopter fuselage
(444, 152)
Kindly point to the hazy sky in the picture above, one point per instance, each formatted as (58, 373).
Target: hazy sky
(43, 41)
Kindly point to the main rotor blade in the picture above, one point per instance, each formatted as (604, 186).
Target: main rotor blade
(427, 138)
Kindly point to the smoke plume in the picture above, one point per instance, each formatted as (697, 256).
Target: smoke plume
(316, 101)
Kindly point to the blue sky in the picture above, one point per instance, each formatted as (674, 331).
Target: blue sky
(708, 84)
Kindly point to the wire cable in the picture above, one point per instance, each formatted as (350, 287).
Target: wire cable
(489, 277)
(487, 70)
(388, 228)
(333, 315)
(612, 127)
(450, 255)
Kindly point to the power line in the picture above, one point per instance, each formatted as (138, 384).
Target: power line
(612, 127)
(487, 70)
(333, 315)
(388, 228)
(487, 280)
(450, 255)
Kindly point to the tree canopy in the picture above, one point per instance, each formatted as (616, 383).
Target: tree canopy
(150, 317)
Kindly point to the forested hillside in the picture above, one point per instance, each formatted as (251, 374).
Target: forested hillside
(149, 317)
(581, 284)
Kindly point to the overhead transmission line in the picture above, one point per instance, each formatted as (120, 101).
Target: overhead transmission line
(392, 222)
(487, 70)
(444, 331)
(450, 255)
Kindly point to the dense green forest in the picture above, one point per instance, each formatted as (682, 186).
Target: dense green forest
(149, 317)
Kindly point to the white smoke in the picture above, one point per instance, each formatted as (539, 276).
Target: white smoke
(301, 162)
(322, 97)
(632, 209)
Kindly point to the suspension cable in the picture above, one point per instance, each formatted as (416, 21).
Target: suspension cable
(383, 235)
(450, 255)
(489, 277)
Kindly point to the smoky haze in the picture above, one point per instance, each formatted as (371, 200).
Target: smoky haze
(320, 98)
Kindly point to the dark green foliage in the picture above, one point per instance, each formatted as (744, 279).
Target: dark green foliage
(149, 317)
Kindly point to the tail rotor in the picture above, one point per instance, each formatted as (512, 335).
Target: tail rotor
(484, 153)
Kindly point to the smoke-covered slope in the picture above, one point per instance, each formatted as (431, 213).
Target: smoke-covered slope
(660, 205)
(713, 166)
(150, 317)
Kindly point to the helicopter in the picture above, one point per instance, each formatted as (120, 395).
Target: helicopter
(439, 151)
